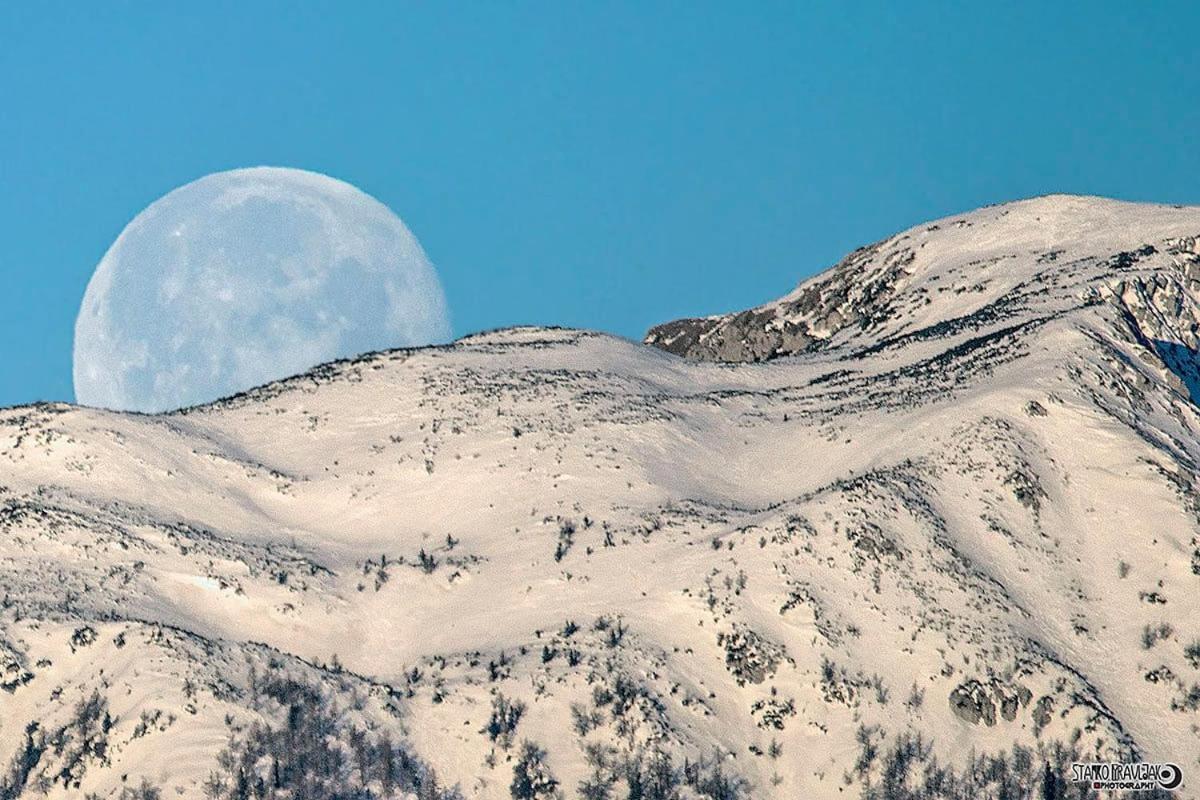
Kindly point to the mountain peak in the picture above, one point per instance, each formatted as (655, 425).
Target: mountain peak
(1005, 258)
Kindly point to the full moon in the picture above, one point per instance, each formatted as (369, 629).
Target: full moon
(245, 277)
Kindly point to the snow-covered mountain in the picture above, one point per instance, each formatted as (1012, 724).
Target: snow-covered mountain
(940, 540)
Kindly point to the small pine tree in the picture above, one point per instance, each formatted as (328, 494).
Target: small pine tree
(595, 788)
(146, 791)
(1050, 790)
(532, 779)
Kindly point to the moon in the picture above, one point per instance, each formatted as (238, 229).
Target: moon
(244, 277)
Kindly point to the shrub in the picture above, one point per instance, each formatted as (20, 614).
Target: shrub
(532, 779)
(506, 715)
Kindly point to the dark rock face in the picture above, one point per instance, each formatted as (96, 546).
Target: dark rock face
(855, 293)
(749, 656)
(746, 336)
(977, 702)
(971, 702)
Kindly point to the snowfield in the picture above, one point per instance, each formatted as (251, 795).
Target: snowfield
(928, 526)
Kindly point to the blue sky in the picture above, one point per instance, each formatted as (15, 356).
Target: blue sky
(608, 165)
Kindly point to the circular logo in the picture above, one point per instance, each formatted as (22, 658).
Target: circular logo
(1169, 776)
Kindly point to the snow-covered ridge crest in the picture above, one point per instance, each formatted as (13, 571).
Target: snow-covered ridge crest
(943, 272)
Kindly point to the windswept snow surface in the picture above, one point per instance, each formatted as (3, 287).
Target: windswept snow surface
(954, 496)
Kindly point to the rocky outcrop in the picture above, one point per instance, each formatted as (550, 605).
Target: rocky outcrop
(855, 293)
(978, 702)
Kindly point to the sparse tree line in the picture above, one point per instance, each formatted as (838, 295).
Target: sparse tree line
(909, 770)
(307, 750)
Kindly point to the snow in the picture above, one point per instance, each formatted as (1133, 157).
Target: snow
(889, 502)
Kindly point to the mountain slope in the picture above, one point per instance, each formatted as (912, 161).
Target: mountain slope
(951, 520)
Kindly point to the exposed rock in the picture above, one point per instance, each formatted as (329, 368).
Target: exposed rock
(977, 701)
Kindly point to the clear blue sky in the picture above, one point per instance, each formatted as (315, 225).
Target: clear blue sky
(608, 166)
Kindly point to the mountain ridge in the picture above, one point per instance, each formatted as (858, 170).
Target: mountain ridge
(953, 537)
(811, 316)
